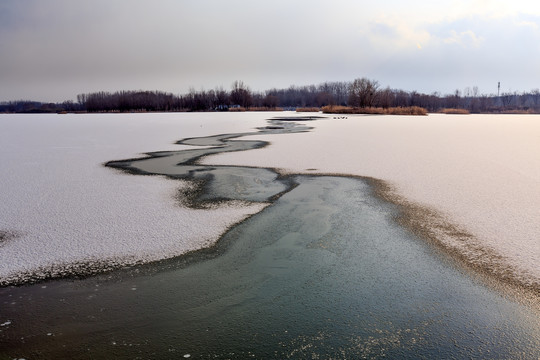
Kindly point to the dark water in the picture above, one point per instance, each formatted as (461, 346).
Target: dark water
(217, 183)
(324, 272)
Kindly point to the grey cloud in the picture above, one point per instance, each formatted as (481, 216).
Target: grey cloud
(53, 50)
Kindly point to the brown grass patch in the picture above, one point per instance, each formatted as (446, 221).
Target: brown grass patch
(410, 110)
(237, 109)
(308, 109)
(455, 111)
(264, 108)
(520, 112)
(336, 109)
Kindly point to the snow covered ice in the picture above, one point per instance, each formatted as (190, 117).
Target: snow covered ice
(481, 172)
(60, 207)
(61, 210)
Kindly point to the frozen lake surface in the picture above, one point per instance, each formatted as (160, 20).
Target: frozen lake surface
(480, 173)
(321, 269)
(62, 211)
(61, 208)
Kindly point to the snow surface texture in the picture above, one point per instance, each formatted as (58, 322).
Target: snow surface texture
(61, 209)
(482, 172)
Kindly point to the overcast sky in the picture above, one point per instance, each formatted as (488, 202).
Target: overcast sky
(52, 50)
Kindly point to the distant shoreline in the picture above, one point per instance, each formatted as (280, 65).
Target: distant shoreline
(366, 111)
(361, 93)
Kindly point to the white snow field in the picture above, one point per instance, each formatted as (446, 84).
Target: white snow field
(66, 208)
(481, 172)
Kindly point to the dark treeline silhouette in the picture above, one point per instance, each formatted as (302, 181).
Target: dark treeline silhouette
(360, 93)
(28, 106)
(128, 101)
(328, 93)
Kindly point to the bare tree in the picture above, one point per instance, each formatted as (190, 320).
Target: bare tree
(363, 92)
(507, 98)
(240, 94)
(221, 101)
(271, 101)
(385, 98)
(324, 98)
(474, 104)
(535, 95)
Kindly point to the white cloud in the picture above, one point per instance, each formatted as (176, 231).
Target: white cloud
(463, 38)
(532, 25)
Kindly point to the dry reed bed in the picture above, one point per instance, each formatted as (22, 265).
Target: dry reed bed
(456, 111)
(518, 112)
(308, 109)
(265, 108)
(410, 110)
(255, 108)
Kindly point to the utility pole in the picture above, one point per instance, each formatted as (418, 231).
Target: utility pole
(499, 89)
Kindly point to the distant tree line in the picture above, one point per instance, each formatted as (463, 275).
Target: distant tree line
(360, 93)
(28, 106)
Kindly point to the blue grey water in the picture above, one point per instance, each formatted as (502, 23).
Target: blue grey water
(324, 272)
